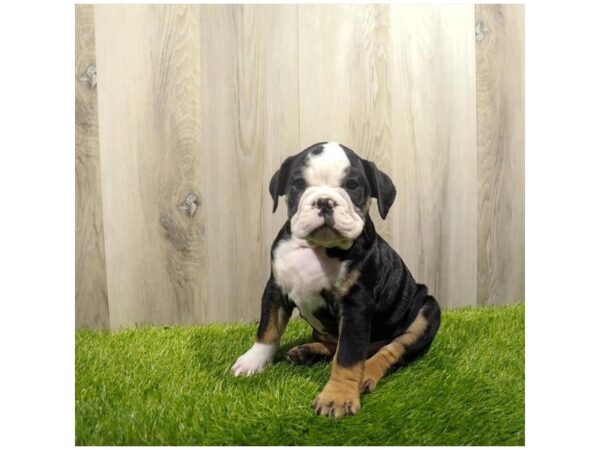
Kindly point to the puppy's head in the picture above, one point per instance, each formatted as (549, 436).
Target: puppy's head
(328, 189)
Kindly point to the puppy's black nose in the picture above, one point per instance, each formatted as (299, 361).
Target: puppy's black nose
(325, 204)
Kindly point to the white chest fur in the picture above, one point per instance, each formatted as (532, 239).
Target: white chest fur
(303, 272)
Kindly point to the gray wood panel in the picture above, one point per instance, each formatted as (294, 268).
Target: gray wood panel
(91, 298)
(500, 36)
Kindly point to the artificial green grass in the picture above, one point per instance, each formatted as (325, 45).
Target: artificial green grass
(172, 385)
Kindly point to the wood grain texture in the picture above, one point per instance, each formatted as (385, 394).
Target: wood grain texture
(435, 127)
(250, 99)
(195, 100)
(345, 77)
(434, 121)
(148, 60)
(91, 299)
(501, 153)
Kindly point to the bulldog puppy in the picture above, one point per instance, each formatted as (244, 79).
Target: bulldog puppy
(365, 308)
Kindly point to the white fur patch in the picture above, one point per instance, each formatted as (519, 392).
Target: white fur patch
(254, 360)
(302, 272)
(327, 168)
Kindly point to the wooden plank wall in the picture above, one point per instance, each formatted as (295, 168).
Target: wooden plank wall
(250, 116)
(500, 41)
(435, 148)
(198, 105)
(91, 306)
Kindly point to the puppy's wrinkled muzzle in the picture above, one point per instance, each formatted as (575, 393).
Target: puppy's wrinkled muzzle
(326, 217)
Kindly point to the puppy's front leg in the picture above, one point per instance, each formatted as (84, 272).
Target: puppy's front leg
(341, 395)
(274, 315)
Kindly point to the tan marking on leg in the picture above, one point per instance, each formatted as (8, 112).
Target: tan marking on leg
(340, 396)
(343, 286)
(377, 366)
(275, 327)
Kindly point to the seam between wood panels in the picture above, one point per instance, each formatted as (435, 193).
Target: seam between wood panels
(298, 73)
(477, 192)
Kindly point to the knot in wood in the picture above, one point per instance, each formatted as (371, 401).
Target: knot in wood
(89, 76)
(190, 205)
(481, 31)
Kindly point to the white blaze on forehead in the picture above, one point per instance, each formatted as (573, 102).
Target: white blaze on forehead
(328, 167)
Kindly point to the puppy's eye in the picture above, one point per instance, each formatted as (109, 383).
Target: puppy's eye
(299, 183)
(351, 184)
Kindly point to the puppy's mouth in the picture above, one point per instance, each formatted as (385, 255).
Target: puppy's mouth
(327, 236)
(325, 232)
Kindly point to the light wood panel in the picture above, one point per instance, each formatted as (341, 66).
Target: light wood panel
(201, 101)
(91, 299)
(250, 111)
(434, 121)
(344, 53)
(148, 60)
(501, 150)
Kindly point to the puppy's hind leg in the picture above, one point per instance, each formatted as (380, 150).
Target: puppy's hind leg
(415, 341)
(311, 352)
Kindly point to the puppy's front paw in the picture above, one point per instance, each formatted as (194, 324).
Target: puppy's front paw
(254, 360)
(336, 404)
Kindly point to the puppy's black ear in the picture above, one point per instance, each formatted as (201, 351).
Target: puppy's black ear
(279, 181)
(382, 187)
